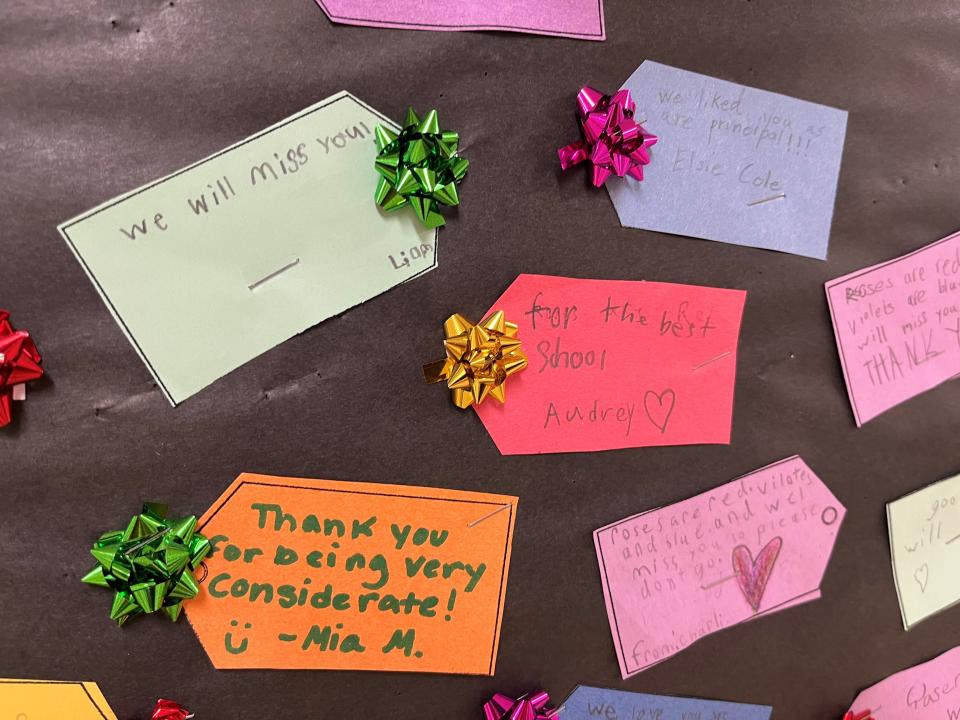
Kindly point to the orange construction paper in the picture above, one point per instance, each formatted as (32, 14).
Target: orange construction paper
(323, 574)
(52, 700)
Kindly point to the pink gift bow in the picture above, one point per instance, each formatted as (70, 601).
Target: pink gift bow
(613, 141)
(529, 707)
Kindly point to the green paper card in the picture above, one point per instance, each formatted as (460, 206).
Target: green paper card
(217, 263)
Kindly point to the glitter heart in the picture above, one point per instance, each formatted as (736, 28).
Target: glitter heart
(752, 575)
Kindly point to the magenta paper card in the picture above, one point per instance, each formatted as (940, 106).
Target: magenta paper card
(930, 691)
(750, 547)
(581, 19)
(897, 326)
(617, 364)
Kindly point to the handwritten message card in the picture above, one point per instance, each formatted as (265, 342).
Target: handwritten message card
(50, 699)
(616, 364)
(733, 163)
(930, 691)
(217, 263)
(318, 574)
(924, 533)
(582, 19)
(897, 326)
(747, 548)
(593, 703)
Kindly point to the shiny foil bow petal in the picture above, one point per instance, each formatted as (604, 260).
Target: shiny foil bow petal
(169, 710)
(613, 142)
(19, 363)
(528, 707)
(479, 359)
(149, 564)
(864, 715)
(419, 167)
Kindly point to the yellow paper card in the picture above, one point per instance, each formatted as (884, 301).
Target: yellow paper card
(924, 530)
(321, 574)
(52, 700)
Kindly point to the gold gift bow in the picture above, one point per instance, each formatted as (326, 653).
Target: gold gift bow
(479, 359)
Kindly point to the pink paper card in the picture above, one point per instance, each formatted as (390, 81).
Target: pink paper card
(750, 547)
(617, 364)
(582, 19)
(924, 692)
(897, 326)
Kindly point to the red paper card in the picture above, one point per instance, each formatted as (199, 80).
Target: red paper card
(616, 364)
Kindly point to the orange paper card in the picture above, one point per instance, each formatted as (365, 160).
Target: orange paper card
(322, 574)
(52, 700)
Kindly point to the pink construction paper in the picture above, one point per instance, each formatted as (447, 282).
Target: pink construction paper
(668, 574)
(581, 19)
(897, 326)
(617, 364)
(930, 691)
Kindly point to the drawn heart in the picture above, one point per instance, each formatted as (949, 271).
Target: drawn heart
(752, 575)
(922, 575)
(659, 407)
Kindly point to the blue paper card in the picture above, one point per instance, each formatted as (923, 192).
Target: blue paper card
(593, 703)
(733, 163)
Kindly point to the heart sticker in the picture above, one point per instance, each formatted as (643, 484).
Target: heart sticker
(752, 575)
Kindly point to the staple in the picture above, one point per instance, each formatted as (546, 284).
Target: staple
(271, 276)
(717, 582)
(764, 200)
(488, 515)
(713, 359)
(147, 541)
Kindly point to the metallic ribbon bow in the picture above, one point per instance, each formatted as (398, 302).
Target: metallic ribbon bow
(613, 142)
(19, 363)
(169, 710)
(479, 359)
(148, 565)
(529, 707)
(419, 167)
(851, 715)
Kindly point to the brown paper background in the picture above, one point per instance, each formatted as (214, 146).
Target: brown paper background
(97, 97)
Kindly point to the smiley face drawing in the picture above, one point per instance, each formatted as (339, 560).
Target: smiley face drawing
(228, 640)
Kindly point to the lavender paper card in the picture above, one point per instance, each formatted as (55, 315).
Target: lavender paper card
(733, 163)
(593, 703)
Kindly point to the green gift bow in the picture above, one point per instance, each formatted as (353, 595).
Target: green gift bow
(148, 565)
(419, 167)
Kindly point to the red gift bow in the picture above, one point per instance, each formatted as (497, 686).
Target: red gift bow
(851, 715)
(528, 707)
(613, 141)
(19, 363)
(169, 710)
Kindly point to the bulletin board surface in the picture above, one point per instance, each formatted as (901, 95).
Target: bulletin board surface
(99, 97)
